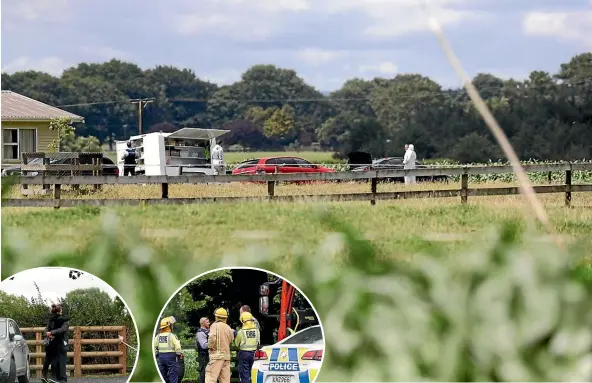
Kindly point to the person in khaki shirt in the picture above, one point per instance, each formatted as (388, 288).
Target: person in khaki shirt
(219, 341)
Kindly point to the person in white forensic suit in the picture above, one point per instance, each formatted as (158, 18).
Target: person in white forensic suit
(409, 163)
(217, 156)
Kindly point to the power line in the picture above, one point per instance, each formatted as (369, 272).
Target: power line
(142, 102)
(324, 99)
(93, 103)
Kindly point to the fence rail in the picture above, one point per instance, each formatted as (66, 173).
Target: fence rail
(272, 179)
(77, 354)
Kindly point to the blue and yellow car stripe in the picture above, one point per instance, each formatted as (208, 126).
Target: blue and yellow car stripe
(287, 355)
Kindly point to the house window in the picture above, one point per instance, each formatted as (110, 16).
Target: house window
(17, 141)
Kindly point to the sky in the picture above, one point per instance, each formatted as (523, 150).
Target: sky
(53, 282)
(325, 41)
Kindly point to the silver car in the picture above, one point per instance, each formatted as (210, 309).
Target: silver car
(14, 353)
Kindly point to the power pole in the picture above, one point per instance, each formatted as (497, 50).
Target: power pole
(142, 102)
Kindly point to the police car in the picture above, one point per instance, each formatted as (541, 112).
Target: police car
(296, 359)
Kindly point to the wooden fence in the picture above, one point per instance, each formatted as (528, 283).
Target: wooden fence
(60, 164)
(77, 354)
(273, 179)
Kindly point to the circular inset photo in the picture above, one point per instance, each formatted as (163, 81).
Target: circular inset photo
(238, 324)
(60, 324)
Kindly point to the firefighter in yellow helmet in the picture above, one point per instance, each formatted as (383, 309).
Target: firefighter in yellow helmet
(219, 341)
(247, 340)
(167, 349)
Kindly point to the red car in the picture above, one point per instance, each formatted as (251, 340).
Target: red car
(281, 165)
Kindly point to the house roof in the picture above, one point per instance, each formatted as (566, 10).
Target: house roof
(16, 107)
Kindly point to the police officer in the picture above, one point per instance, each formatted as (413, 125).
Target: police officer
(247, 340)
(129, 160)
(201, 340)
(219, 341)
(167, 348)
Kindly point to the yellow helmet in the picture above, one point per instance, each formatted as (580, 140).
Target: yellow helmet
(167, 322)
(246, 316)
(221, 313)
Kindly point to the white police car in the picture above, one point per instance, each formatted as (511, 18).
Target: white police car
(296, 359)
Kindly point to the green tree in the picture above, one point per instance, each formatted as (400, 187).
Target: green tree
(67, 140)
(280, 125)
(547, 116)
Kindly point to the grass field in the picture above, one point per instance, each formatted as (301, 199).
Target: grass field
(235, 157)
(398, 228)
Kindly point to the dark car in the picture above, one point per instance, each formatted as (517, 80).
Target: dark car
(109, 167)
(362, 162)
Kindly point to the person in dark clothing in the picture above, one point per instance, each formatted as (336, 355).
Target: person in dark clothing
(56, 352)
(129, 160)
(201, 342)
(49, 351)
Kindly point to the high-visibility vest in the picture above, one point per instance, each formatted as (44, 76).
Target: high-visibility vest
(165, 342)
(249, 339)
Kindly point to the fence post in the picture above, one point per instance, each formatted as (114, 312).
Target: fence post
(123, 349)
(165, 190)
(45, 164)
(97, 165)
(77, 353)
(373, 182)
(464, 186)
(25, 162)
(271, 189)
(57, 191)
(76, 163)
(568, 187)
(38, 349)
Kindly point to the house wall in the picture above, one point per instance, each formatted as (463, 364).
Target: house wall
(44, 135)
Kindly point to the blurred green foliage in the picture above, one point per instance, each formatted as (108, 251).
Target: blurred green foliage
(513, 309)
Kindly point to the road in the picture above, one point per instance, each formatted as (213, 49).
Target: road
(94, 379)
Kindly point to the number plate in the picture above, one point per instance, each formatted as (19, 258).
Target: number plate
(281, 379)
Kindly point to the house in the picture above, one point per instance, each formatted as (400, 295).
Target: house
(25, 126)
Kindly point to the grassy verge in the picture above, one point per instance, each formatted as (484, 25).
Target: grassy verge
(397, 228)
(462, 271)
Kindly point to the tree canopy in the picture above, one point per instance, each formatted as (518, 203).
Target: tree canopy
(229, 289)
(546, 116)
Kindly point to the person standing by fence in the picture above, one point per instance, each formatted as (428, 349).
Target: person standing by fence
(218, 158)
(56, 353)
(201, 340)
(49, 346)
(409, 163)
(129, 160)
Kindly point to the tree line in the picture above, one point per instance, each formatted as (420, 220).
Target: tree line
(229, 289)
(547, 116)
